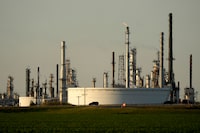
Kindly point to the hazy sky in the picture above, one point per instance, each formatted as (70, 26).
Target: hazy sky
(31, 32)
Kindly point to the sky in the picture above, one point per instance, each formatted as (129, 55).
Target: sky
(31, 32)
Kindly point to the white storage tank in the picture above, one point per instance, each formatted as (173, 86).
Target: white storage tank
(26, 101)
(117, 96)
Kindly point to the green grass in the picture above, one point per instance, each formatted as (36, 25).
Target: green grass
(101, 119)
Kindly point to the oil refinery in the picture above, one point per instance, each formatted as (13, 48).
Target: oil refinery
(157, 89)
(131, 87)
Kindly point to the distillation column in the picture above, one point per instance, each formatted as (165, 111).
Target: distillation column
(121, 71)
(105, 80)
(132, 67)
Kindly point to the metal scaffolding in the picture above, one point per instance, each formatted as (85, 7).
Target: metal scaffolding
(121, 71)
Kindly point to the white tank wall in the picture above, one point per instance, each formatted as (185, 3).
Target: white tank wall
(26, 101)
(84, 96)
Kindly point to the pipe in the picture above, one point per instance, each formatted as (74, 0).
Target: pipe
(127, 57)
(161, 60)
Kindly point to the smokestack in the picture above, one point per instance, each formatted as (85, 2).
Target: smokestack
(38, 86)
(57, 80)
(28, 71)
(63, 75)
(170, 67)
(94, 82)
(161, 60)
(127, 57)
(190, 71)
(113, 69)
(38, 82)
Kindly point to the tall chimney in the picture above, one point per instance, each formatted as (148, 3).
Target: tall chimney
(63, 85)
(127, 57)
(57, 80)
(113, 69)
(161, 60)
(170, 67)
(38, 86)
(28, 92)
(190, 71)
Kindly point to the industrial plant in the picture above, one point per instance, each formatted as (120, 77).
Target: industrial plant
(189, 96)
(36, 94)
(157, 88)
(131, 87)
(9, 98)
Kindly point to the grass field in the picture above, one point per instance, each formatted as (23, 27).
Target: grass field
(101, 119)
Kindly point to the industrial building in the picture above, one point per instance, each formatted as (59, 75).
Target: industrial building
(132, 87)
(9, 98)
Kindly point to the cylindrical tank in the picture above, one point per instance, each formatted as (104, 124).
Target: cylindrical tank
(138, 78)
(147, 81)
(105, 80)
